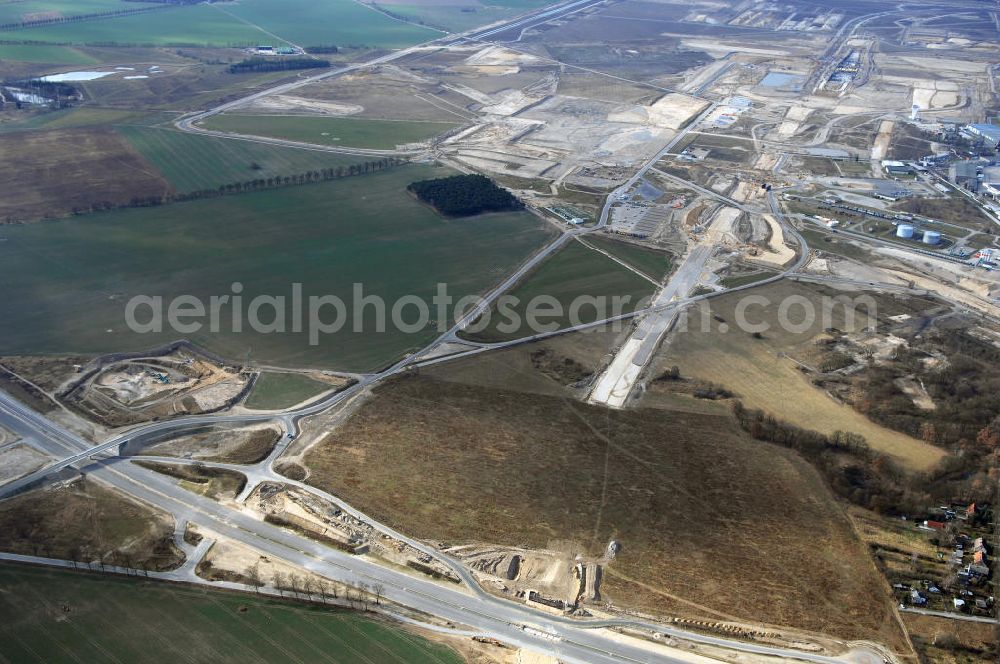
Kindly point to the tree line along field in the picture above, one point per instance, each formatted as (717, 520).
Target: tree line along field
(192, 162)
(69, 281)
(250, 22)
(711, 523)
(575, 271)
(348, 132)
(107, 157)
(759, 373)
(94, 165)
(55, 616)
(187, 25)
(14, 12)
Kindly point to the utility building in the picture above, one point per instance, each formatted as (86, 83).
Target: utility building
(987, 133)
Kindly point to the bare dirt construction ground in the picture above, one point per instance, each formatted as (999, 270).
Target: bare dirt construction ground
(8, 437)
(145, 389)
(86, 522)
(228, 560)
(246, 445)
(18, 459)
(58, 171)
(764, 374)
(711, 524)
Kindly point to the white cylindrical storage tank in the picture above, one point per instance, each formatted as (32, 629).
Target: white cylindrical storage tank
(932, 237)
(904, 231)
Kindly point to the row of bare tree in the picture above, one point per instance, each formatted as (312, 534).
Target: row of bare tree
(316, 589)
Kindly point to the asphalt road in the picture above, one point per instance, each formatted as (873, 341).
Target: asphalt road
(615, 196)
(618, 380)
(534, 19)
(565, 638)
(568, 639)
(620, 377)
(188, 122)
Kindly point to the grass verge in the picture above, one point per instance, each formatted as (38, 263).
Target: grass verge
(281, 390)
(348, 132)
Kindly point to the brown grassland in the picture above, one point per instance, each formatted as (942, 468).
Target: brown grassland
(763, 374)
(48, 373)
(712, 524)
(216, 483)
(50, 173)
(945, 641)
(244, 446)
(87, 522)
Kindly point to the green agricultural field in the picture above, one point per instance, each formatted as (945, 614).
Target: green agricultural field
(520, 5)
(652, 262)
(43, 54)
(281, 390)
(189, 25)
(67, 283)
(341, 22)
(348, 132)
(575, 271)
(458, 17)
(19, 10)
(73, 118)
(55, 616)
(192, 162)
(454, 18)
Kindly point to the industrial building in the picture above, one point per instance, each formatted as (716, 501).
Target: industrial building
(933, 160)
(987, 133)
(965, 174)
(638, 221)
(991, 189)
(897, 168)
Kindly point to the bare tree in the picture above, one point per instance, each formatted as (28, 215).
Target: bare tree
(279, 582)
(74, 554)
(321, 585)
(379, 589)
(363, 594)
(294, 582)
(309, 586)
(253, 577)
